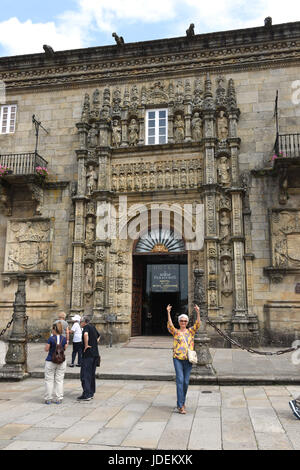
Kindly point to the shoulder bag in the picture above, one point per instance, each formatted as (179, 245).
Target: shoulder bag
(192, 355)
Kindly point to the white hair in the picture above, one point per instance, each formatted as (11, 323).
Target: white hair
(183, 315)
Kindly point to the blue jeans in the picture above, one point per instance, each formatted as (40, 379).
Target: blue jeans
(183, 371)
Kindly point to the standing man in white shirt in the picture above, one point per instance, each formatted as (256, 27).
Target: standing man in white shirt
(77, 341)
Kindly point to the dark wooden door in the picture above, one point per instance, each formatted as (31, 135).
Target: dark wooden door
(137, 295)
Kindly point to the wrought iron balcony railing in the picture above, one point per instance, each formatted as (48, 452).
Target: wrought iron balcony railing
(287, 145)
(23, 164)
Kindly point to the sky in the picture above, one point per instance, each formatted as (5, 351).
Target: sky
(25, 25)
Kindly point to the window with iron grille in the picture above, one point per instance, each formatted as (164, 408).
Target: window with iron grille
(156, 126)
(8, 114)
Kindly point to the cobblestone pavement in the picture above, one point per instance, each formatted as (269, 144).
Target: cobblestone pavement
(141, 415)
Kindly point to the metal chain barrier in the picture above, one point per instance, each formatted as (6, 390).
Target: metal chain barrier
(26, 339)
(7, 327)
(255, 351)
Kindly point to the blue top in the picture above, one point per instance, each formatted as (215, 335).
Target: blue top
(52, 342)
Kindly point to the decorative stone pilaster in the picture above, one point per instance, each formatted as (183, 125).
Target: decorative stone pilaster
(78, 251)
(187, 112)
(171, 124)
(101, 275)
(104, 170)
(141, 114)
(81, 182)
(83, 130)
(240, 308)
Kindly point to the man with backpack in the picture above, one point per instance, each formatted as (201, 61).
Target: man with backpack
(90, 359)
(55, 365)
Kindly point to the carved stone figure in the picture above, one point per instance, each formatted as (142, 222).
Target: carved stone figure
(222, 125)
(86, 108)
(119, 39)
(90, 231)
(89, 273)
(133, 133)
(145, 181)
(224, 225)
(178, 129)
(114, 182)
(152, 180)
(116, 133)
(212, 298)
(190, 33)
(280, 253)
(226, 274)
(91, 180)
(197, 101)
(223, 171)
(196, 127)
(122, 181)
(93, 136)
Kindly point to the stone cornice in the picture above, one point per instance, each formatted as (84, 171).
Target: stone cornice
(223, 51)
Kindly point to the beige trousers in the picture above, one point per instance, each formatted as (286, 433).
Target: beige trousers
(54, 380)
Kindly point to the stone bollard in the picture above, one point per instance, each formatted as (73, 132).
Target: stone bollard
(15, 367)
(204, 366)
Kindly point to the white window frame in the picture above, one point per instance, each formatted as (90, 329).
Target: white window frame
(156, 111)
(10, 127)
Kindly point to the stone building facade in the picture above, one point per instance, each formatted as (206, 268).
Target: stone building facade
(180, 123)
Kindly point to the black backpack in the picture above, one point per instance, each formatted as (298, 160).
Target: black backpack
(58, 356)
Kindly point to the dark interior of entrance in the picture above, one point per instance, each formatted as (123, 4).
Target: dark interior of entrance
(162, 280)
(156, 322)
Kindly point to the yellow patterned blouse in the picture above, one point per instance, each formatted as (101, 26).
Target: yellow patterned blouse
(179, 345)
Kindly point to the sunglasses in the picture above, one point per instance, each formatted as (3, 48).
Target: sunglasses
(182, 321)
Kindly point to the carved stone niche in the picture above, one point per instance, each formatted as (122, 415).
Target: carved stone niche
(178, 128)
(29, 249)
(133, 131)
(285, 242)
(226, 275)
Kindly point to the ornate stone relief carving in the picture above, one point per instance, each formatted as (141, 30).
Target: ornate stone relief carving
(124, 118)
(28, 246)
(285, 239)
(148, 176)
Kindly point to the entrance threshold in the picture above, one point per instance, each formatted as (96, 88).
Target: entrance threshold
(150, 342)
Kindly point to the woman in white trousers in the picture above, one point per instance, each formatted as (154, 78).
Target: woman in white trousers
(54, 373)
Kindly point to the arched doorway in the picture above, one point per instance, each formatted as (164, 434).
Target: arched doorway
(160, 277)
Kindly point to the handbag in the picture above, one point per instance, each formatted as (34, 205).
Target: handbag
(192, 355)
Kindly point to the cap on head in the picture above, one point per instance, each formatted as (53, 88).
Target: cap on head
(76, 318)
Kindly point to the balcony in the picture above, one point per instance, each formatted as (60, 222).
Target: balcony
(22, 165)
(286, 164)
(21, 172)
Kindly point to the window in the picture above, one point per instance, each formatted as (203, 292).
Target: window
(8, 119)
(156, 126)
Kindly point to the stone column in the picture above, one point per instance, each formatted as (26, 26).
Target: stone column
(15, 367)
(202, 340)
